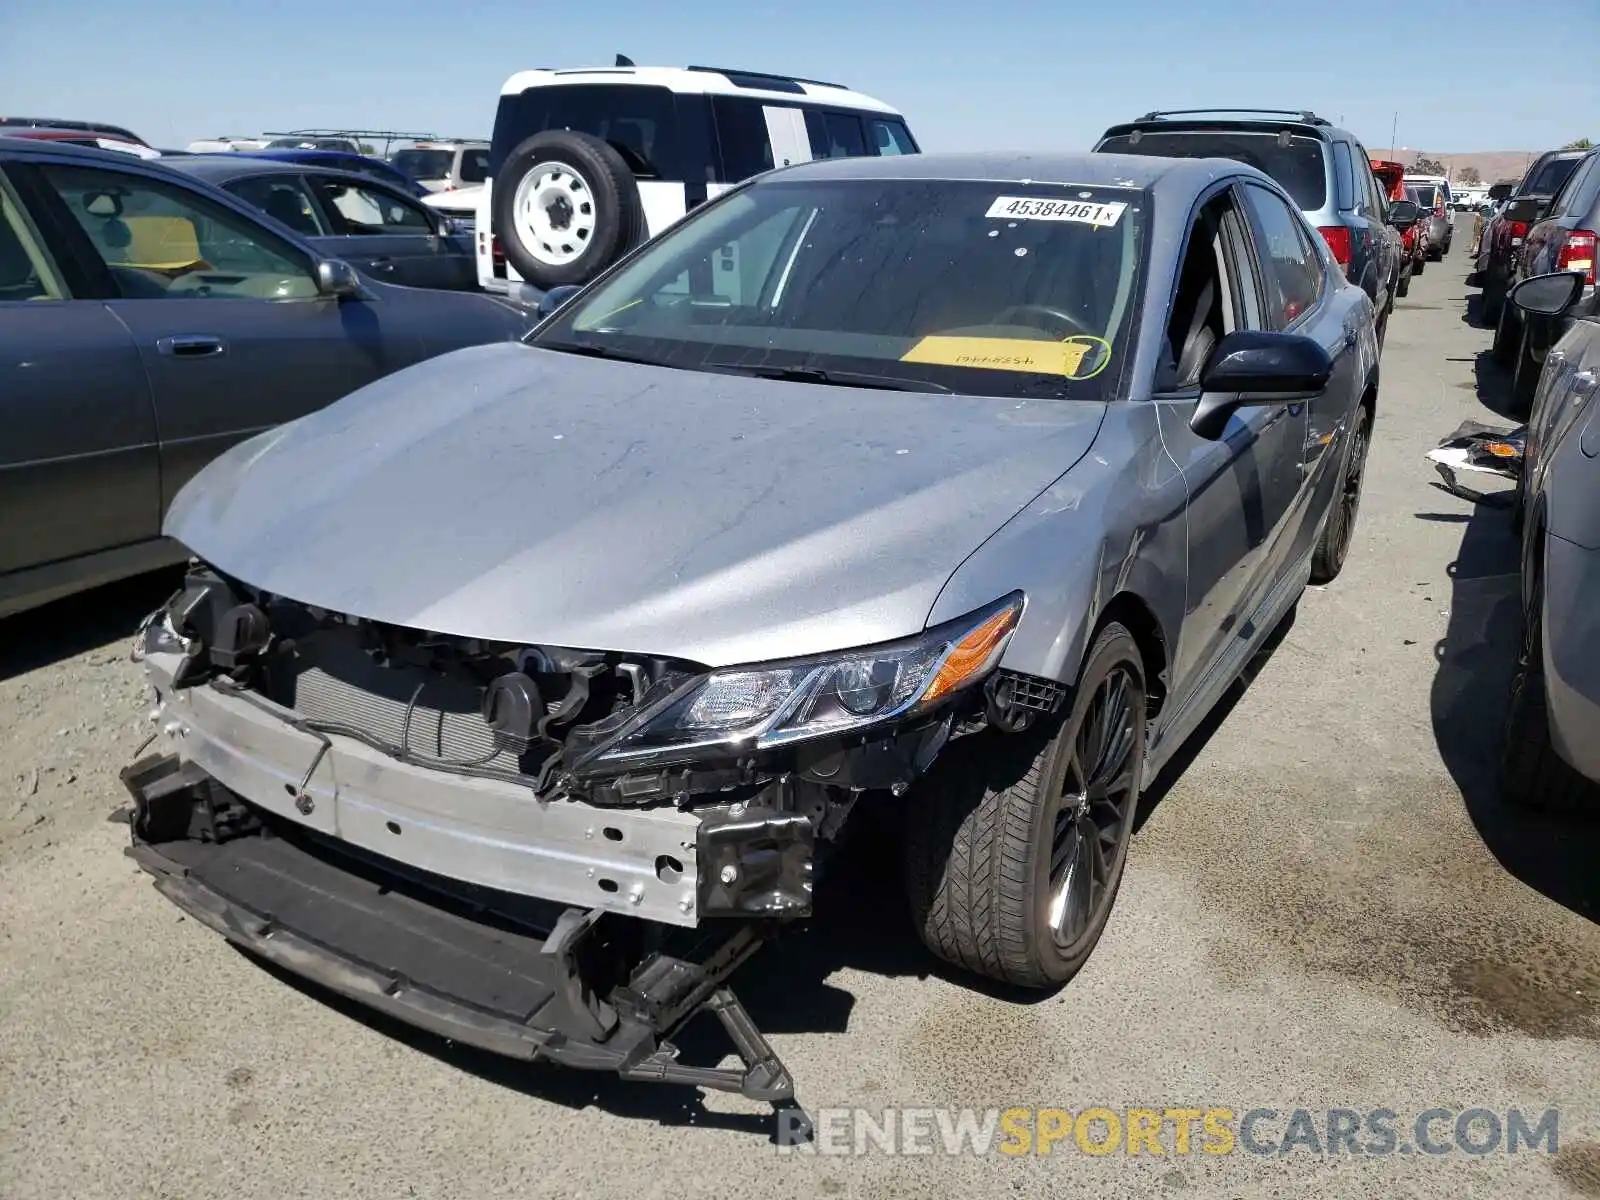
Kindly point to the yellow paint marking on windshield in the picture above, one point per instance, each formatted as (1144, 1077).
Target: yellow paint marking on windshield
(1065, 358)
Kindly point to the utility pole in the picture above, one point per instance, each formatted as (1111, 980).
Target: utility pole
(1393, 129)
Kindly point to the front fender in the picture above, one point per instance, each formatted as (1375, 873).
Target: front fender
(1113, 524)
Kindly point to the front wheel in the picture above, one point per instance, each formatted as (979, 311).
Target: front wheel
(1525, 380)
(1506, 337)
(1339, 529)
(1015, 849)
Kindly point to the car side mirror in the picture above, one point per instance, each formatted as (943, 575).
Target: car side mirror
(1251, 367)
(556, 297)
(1549, 295)
(1403, 214)
(1526, 210)
(335, 277)
(1500, 191)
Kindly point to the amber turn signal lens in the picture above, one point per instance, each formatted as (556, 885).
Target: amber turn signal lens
(973, 655)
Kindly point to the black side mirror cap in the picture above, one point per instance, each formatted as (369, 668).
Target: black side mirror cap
(1549, 295)
(1501, 191)
(1403, 214)
(1251, 367)
(556, 297)
(1525, 209)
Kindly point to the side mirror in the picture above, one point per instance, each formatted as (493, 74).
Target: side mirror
(1549, 295)
(1501, 191)
(556, 297)
(1403, 214)
(1253, 367)
(1527, 210)
(335, 277)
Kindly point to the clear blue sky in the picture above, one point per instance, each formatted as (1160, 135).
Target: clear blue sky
(1017, 74)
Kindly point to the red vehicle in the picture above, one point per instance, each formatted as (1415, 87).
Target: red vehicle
(1414, 241)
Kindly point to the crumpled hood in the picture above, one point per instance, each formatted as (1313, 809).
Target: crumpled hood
(516, 494)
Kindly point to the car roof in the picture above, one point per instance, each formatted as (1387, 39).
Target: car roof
(1305, 124)
(726, 81)
(1092, 169)
(62, 125)
(224, 168)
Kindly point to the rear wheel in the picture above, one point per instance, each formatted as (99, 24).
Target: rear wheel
(1339, 529)
(1507, 336)
(1403, 288)
(1015, 852)
(1532, 774)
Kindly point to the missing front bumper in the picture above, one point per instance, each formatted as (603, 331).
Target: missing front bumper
(533, 982)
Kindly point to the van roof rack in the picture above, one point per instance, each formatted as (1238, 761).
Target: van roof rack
(1303, 115)
(387, 136)
(765, 79)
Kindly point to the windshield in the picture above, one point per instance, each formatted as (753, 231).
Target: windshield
(982, 288)
(1548, 178)
(424, 164)
(1294, 161)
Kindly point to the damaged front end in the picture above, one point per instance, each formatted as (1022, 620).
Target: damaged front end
(459, 832)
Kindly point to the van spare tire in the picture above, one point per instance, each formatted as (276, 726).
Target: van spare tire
(565, 208)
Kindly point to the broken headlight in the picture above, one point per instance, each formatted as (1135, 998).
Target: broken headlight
(759, 707)
(158, 636)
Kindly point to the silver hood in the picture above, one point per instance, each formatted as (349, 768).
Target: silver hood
(522, 495)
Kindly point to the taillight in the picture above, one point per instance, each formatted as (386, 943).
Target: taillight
(1577, 254)
(1438, 210)
(1338, 239)
(495, 253)
(1517, 229)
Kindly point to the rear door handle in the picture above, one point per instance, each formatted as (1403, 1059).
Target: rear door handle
(192, 345)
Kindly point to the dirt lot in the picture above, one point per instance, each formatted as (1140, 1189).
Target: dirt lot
(1325, 906)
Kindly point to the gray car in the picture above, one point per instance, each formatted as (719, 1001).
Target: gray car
(960, 487)
(147, 323)
(1325, 169)
(1552, 748)
(377, 229)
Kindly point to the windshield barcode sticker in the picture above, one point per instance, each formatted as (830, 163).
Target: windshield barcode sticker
(1031, 208)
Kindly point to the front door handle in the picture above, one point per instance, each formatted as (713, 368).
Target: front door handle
(192, 345)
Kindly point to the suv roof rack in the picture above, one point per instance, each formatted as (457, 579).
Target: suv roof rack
(386, 136)
(765, 79)
(1303, 115)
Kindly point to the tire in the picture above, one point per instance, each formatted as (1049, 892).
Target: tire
(1525, 380)
(566, 207)
(1403, 288)
(994, 815)
(1338, 530)
(1420, 265)
(1532, 774)
(1507, 337)
(1494, 301)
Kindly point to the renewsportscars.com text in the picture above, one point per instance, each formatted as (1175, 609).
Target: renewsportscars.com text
(1103, 1131)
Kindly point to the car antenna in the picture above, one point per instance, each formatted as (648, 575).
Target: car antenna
(624, 61)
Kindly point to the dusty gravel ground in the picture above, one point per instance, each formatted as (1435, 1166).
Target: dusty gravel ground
(1325, 906)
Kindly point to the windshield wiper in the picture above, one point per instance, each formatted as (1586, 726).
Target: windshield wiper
(887, 383)
(591, 350)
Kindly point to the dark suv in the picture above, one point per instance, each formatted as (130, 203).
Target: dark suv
(1327, 171)
(1502, 237)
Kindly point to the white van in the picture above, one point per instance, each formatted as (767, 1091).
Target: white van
(585, 164)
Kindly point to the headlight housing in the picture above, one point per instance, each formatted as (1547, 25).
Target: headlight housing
(158, 636)
(765, 706)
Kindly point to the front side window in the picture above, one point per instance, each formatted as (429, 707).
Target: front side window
(1292, 263)
(1295, 161)
(284, 199)
(889, 137)
(368, 210)
(640, 122)
(980, 288)
(161, 240)
(26, 272)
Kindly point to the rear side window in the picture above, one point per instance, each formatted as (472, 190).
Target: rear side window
(640, 122)
(1294, 160)
(1578, 194)
(1292, 263)
(474, 166)
(1344, 175)
(1547, 178)
(835, 135)
(742, 136)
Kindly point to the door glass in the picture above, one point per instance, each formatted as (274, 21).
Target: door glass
(25, 271)
(890, 137)
(284, 199)
(369, 211)
(161, 240)
(1286, 255)
(1344, 176)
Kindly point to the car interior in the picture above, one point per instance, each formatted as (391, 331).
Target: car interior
(1203, 307)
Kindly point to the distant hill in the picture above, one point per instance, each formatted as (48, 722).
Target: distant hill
(1492, 165)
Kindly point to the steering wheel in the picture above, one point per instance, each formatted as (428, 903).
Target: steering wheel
(1055, 321)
